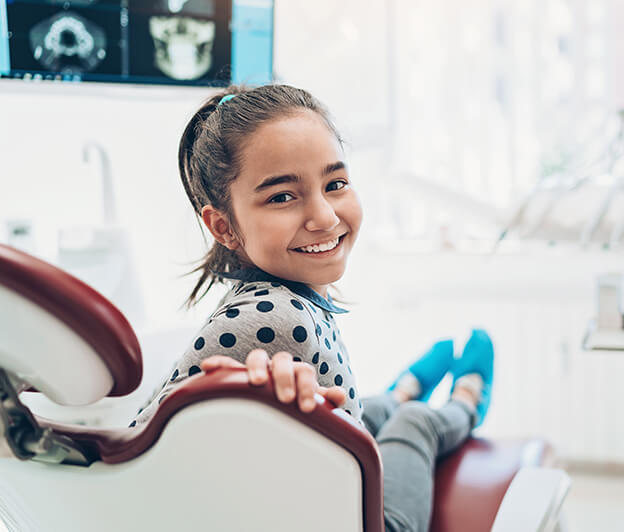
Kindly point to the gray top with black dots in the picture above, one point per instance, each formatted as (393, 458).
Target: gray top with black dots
(270, 316)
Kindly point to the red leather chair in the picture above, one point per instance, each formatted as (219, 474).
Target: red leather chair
(219, 454)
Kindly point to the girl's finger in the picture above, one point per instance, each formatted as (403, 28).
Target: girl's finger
(335, 394)
(283, 376)
(218, 361)
(257, 363)
(305, 378)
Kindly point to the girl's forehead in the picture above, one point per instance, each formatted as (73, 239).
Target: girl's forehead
(296, 143)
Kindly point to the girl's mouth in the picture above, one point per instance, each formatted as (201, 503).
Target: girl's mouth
(323, 248)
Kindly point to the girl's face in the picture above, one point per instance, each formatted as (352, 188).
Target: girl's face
(296, 212)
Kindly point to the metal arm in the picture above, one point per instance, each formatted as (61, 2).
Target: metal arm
(26, 439)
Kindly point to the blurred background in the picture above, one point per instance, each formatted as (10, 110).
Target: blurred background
(485, 139)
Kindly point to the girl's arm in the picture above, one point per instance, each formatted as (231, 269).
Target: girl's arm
(291, 380)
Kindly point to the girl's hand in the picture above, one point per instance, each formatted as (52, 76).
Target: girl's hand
(290, 379)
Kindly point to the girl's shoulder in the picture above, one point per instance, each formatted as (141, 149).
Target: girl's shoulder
(271, 300)
(265, 297)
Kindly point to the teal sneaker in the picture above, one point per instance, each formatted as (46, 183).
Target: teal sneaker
(477, 357)
(430, 368)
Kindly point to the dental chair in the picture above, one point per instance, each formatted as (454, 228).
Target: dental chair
(219, 454)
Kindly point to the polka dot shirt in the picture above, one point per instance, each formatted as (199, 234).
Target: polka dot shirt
(275, 316)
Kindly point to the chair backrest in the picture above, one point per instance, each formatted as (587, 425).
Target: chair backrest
(62, 337)
(229, 453)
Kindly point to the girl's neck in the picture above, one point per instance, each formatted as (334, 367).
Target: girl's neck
(321, 290)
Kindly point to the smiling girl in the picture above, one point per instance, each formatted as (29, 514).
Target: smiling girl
(265, 170)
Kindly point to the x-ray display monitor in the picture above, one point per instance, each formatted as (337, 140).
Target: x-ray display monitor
(181, 42)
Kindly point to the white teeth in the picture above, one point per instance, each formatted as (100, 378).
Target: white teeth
(316, 248)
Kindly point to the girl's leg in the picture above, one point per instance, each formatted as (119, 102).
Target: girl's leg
(377, 410)
(410, 441)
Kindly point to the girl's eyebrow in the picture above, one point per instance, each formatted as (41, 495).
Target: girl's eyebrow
(332, 167)
(277, 180)
(293, 178)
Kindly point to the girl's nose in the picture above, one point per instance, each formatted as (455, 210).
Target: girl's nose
(320, 216)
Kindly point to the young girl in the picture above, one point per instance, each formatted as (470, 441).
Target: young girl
(265, 170)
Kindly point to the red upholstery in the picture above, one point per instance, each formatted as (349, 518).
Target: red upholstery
(89, 314)
(470, 484)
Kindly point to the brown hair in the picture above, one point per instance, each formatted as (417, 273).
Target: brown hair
(209, 157)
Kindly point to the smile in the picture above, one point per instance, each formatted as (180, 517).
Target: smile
(321, 247)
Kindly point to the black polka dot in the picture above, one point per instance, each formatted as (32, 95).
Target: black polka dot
(348, 411)
(296, 304)
(315, 358)
(327, 323)
(300, 334)
(324, 368)
(313, 309)
(162, 397)
(133, 424)
(349, 368)
(199, 343)
(265, 335)
(327, 343)
(264, 306)
(193, 370)
(351, 393)
(318, 330)
(175, 375)
(297, 359)
(232, 312)
(334, 336)
(339, 357)
(338, 380)
(276, 284)
(360, 403)
(250, 288)
(227, 339)
(261, 293)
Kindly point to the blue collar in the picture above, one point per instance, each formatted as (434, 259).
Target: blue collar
(258, 275)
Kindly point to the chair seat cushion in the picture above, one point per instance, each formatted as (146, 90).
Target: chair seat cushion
(470, 483)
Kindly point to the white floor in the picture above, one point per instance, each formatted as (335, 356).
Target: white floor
(595, 504)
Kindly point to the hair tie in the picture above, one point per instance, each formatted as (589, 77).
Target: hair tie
(226, 98)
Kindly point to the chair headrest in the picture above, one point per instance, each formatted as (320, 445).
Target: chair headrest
(40, 300)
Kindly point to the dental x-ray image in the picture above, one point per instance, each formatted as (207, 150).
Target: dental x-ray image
(182, 46)
(73, 38)
(190, 8)
(182, 40)
(173, 42)
(67, 42)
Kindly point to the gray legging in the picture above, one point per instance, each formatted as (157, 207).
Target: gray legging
(410, 437)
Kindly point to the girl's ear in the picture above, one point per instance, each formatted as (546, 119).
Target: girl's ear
(219, 226)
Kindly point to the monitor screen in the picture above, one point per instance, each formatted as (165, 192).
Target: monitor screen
(180, 42)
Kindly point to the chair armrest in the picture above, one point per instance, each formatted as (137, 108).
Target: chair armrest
(533, 501)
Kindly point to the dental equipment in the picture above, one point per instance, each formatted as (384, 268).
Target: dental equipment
(581, 170)
(100, 253)
(606, 331)
(218, 454)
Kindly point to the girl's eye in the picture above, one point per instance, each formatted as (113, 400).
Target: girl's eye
(281, 198)
(336, 185)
